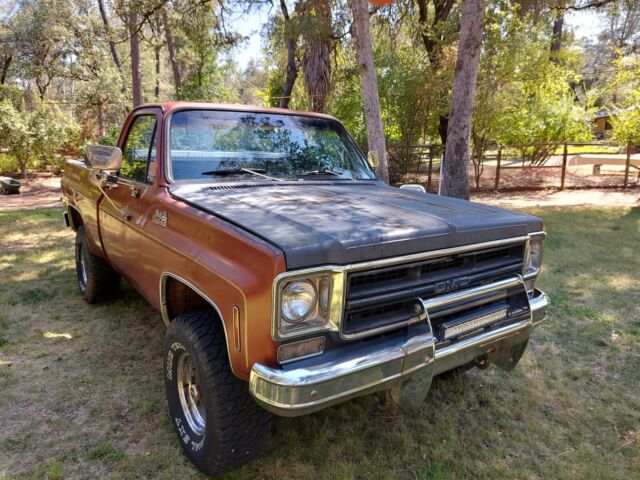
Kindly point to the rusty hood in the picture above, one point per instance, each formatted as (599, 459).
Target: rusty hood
(342, 222)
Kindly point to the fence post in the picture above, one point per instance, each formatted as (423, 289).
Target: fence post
(564, 166)
(430, 166)
(628, 163)
(498, 167)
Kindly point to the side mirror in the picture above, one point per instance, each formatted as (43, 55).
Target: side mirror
(101, 157)
(374, 159)
(413, 186)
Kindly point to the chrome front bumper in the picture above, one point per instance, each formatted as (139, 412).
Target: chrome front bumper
(379, 367)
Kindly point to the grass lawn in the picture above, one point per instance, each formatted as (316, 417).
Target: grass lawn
(82, 395)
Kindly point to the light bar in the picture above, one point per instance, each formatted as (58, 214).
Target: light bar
(478, 322)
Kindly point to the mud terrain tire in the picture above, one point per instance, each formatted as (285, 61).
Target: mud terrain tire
(219, 425)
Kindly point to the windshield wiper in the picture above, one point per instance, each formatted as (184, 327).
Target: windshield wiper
(259, 172)
(319, 172)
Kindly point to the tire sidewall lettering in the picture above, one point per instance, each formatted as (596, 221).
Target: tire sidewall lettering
(188, 438)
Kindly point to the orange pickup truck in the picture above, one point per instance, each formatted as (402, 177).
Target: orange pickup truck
(288, 277)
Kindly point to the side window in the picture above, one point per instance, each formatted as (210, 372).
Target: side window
(139, 152)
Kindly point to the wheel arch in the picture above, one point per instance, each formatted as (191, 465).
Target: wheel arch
(75, 218)
(178, 296)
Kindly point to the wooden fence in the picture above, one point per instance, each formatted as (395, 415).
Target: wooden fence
(522, 167)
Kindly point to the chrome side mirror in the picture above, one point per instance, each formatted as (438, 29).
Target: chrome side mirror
(101, 157)
(374, 159)
(413, 186)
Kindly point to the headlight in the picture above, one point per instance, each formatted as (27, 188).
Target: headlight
(533, 259)
(298, 299)
(303, 304)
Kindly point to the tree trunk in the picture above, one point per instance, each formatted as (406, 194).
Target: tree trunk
(292, 66)
(556, 38)
(102, 127)
(23, 169)
(441, 11)
(454, 181)
(443, 124)
(172, 54)
(316, 61)
(157, 53)
(5, 69)
(134, 42)
(369, 81)
(107, 29)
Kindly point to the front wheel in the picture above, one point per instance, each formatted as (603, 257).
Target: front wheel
(219, 425)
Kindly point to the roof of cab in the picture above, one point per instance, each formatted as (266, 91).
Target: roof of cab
(168, 107)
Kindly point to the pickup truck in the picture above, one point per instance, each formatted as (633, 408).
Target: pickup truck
(288, 277)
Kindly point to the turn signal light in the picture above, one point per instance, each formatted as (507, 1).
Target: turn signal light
(288, 352)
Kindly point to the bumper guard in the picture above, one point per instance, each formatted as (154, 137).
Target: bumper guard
(379, 367)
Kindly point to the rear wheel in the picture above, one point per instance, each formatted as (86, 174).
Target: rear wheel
(219, 425)
(96, 279)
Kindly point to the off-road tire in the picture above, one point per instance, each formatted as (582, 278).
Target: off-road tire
(236, 428)
(97, 281)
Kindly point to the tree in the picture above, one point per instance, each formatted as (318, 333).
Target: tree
(175, 69)
(43, 39)
(37, 135)
(290, 38)
(108, 33)
(316, 60)
(626, 122)
(369, 81)
(134, 42)
(433, 35)
(454, 181)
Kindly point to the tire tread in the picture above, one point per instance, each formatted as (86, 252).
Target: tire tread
(242, 426)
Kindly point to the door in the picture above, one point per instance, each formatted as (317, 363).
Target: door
(124, 213)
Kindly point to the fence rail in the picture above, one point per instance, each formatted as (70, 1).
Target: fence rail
(524, 167)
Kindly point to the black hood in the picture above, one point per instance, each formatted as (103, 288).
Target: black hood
(341, 222)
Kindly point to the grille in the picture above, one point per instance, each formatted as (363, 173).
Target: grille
(387, 296)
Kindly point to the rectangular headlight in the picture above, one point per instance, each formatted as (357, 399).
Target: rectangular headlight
(306, 303)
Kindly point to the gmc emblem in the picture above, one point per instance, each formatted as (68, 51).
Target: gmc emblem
(449, 285)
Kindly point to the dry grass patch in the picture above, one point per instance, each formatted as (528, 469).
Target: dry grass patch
(82, 395)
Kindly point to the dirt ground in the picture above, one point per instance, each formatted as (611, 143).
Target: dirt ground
(45, 192)
(565, 198)
(36, 193)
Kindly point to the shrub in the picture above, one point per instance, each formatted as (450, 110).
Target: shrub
(8, 163)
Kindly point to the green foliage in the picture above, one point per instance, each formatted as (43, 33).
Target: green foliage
(111, 136)
(626, 121)
(626, 126)
(12, 94)
(36, 137)
(524, 94)
(203, 37)
(8, 163)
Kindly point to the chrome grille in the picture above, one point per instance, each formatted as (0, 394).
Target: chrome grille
(383, 297)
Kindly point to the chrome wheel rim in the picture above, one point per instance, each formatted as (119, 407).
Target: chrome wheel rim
(191, 395)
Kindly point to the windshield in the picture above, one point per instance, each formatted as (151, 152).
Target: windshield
(235, 145)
